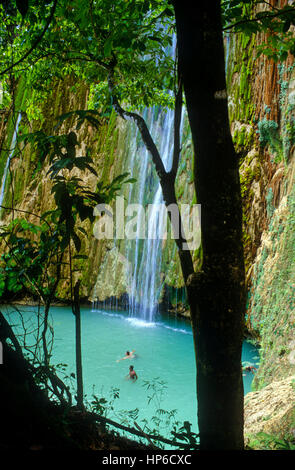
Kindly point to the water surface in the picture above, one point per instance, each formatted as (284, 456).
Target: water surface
(164, 353)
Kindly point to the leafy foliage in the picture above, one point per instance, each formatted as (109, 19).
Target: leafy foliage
(264, 441)
(102, 405)
(25, 260)
(133, 39)
(87, 40)
(35, 250)
(165, 419)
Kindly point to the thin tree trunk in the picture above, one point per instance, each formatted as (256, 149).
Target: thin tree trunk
(216, 294)
(77, 313)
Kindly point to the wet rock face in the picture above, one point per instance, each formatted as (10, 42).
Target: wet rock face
(271, 410)
(262, 112)
(116, 270)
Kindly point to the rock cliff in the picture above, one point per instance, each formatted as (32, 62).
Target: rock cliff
(261, 96)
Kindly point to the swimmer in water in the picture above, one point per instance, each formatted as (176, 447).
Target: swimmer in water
(132, 374)
(128, 355)
(249, 368)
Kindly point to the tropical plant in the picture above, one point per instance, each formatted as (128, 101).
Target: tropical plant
(38, 256)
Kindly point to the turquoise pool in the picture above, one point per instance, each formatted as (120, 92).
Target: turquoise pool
(164, 362)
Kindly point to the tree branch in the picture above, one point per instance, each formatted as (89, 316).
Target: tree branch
(167, 180)
(134, 431)
(269, 4)
(146, 435)
(7, 332)
(257, 20)
(36, 42)
(142, 127)
(27, 212)
(177, 121)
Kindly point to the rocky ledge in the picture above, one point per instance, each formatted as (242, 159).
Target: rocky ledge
(271, 410)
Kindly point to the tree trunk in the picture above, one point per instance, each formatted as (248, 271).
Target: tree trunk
(217, 293)
(76, 311)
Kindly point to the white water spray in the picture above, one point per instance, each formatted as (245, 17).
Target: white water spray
(11, 151)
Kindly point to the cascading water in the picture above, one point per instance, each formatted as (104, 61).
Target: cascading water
(144, 250)
(11, 150)
(146, 254)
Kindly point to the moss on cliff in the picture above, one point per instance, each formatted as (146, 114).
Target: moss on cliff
(261, 111)
(239, 79)
(272, 303)
(19, 102)
(31, 186)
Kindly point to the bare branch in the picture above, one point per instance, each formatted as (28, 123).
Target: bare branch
(137, 432)
(166, 179)
(27, 212)
(177, 121)
(146, 435)
(142, 127)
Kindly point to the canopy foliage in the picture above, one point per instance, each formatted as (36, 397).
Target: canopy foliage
(46, 41)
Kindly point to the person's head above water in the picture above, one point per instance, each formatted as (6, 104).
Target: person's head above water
(127, 353)
(131, 367)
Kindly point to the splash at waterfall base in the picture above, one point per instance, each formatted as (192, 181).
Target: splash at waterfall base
(117, 293)
(144, 228)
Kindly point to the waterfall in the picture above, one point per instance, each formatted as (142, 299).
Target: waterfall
(11, 150)
(143, 250)
(146, 254)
